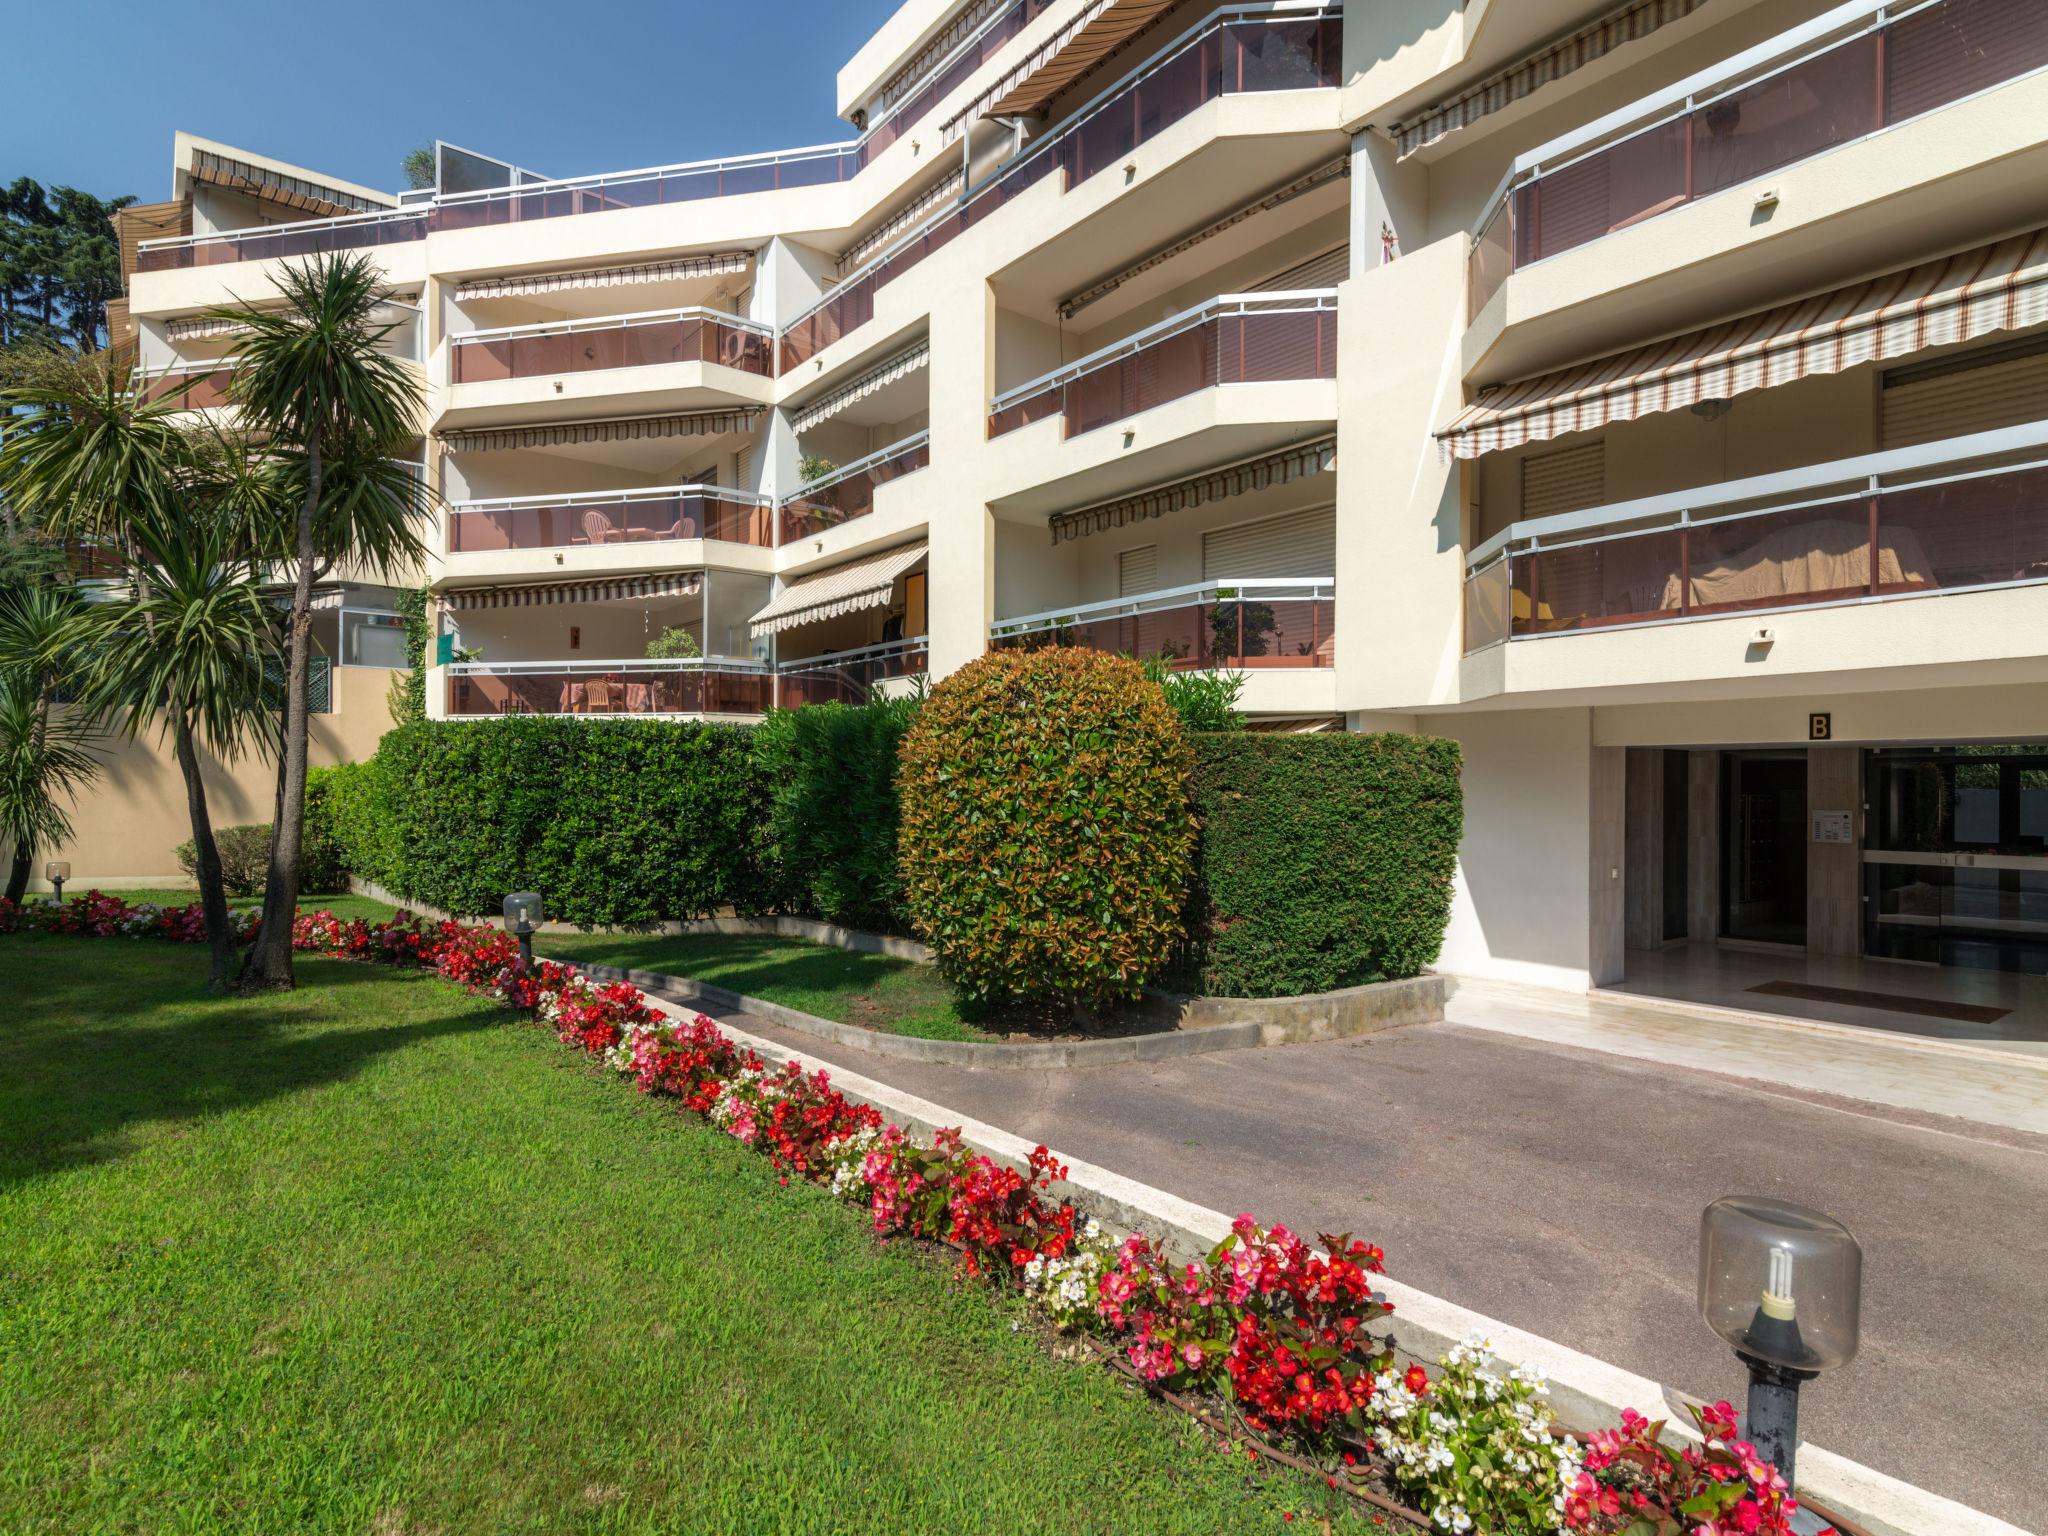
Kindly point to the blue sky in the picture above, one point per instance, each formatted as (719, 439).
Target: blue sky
(91, 90)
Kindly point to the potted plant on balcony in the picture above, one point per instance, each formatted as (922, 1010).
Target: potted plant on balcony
(674, 644)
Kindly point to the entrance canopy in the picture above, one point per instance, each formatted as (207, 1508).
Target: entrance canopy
(1994, 288)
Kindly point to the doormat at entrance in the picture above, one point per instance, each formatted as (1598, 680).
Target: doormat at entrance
(1928, 1007)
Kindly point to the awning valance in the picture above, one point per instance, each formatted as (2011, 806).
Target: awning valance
(845, 588)
(279, 187)
(1637, 19)
(206, 327)
(715, 265)
(612, 589)
(1059, 61)
(1268, 469)
(825, 408)
(623, 430)
(1994, 288)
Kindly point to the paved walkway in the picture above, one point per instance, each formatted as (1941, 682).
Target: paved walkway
(1559, 1189)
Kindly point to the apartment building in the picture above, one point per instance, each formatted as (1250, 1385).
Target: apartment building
(1652, 396)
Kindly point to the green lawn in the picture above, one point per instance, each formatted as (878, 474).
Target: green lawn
(341, 906)
(874, 991)
(376, 1257)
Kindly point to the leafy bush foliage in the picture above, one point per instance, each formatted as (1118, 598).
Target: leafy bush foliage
(613, 821)
(322, 869)
(1205, 701)
(244, 857)
(1326, 860)
(355, 813)
(673, 644)
(830, 771)
(1046, 839)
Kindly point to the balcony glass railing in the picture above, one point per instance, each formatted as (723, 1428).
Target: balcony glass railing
(1945, 517)
(192, 387)
(847, 677)
(714, 685)
(611, 517)
(1237, 338)
(1788, 100)
(310, 237)
(1236, 624)
(620, 341)
(849, 491)
(1278, 47)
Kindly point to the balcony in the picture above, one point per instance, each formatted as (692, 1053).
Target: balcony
(849, 677)
(311, 237)
(849, 491)
(1282, 47)
(188, 386)
(1245, 338)
(620, 341)
(700, 686)
(606, 518)
(1219, 626)
(1964, 514)
(1850, 73)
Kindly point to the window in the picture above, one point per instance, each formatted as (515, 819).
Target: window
(1137, 571)
(1570, 480)
(1981, 392)
(1301, 544)
(372, 639)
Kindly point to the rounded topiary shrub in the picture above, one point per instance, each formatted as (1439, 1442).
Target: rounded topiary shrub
(1047, 839)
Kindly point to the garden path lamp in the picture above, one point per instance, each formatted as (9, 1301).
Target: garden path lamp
(1783, 1285)
(522, 916)
(57, 871)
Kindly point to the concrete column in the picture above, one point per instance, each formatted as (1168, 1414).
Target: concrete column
(1703, 850)
(1834, 871)
(1643, 849)
(962, 534)
(1605, 907)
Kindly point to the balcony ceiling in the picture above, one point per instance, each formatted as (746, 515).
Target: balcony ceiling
(1224, 175)
(715, 291)
(1171, 460)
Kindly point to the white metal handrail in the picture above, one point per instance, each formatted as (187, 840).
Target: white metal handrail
(882, 651)
(613, 498)
(1283, 10)
(858, 467)
(630, 664)
(1300, 301)
(1314, 589)
(611, 322)
(295, 226)
(1774, 56)
(1786, 491)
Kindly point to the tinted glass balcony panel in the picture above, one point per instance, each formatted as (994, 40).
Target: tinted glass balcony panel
(638, 520)
(636, 344)
(694, 689)
(849, 494)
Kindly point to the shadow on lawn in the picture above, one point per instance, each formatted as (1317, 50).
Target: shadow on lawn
(739, 962)
(99, 1049)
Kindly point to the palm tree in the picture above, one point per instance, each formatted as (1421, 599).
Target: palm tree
(87, 462)
(314, 381)
(45, 752)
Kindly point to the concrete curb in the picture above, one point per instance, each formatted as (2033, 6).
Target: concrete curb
(1584, 1390)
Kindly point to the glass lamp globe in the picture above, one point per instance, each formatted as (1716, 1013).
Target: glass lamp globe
(522, 910)
(57, 869)
(1781, 1283)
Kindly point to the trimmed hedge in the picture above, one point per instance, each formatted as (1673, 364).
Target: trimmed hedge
(830, 772)
(1326, 860)
(1047, 842)
(614, 822)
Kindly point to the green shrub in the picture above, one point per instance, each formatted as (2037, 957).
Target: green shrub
(830, 770)
(244, 857)
(1326, 860)
(673, 644)
(322, 869)
(1046, 839)
(356, 815)
(614, 822)
(1204, 701)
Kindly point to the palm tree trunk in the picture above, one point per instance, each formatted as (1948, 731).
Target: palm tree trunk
(18, 873)
(269, 960)
(213, 895)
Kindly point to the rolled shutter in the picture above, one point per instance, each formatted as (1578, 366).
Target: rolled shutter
(1137, 571)
(1568, 481)
(2000, 389)
(1300, 544)
(1323, 271)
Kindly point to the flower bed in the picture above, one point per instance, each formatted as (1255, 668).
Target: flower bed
(100, 916)
(1267, 1339)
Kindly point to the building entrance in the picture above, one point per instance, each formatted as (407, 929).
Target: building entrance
(1764, 836)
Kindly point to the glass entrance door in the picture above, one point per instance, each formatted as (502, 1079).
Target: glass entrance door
(1763, 886)
(1956, 862)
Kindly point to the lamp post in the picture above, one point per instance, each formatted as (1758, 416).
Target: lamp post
(57, 871)
(522, 916)
(1783, 1285)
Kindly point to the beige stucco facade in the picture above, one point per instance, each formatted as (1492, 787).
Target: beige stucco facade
(1265, 229)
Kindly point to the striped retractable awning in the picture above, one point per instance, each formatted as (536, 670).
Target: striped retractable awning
(1256, 474)
(825, 408)
(280, 186)
(623, 430)
(845, 588)
(1998, 287)
(715, 265)
(1637, 19)
(205, 327)
(1059, 61)
(614, 589)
